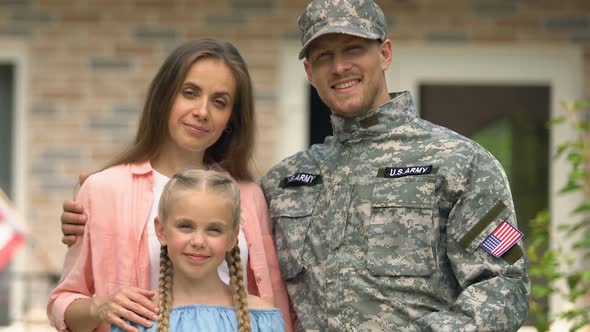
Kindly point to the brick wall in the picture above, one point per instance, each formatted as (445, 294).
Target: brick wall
(91, 61)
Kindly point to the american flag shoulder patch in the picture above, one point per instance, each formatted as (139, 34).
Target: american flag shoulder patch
(501, 239)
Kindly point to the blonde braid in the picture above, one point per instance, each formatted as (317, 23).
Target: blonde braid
(240, 298)
(165, 290)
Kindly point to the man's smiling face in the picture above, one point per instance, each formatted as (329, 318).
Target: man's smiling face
(348, 72)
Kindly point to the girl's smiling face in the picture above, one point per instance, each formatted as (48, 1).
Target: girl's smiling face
(198, 232)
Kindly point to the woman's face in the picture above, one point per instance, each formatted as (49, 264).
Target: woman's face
(201, 110)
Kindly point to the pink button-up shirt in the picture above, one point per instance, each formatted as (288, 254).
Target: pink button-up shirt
(113, 252)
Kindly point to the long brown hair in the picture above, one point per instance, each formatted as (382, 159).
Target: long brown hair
(233, 150)
(223, 185)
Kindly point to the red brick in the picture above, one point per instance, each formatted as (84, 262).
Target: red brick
(519, 23)
(80, 18)
(133, 50)
(493, 38)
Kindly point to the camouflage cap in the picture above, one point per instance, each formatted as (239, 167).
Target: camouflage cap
(361, 18)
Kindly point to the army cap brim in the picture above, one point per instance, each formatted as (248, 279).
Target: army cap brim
(348, 30)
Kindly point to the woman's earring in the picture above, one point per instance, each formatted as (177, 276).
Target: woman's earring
(228, 129)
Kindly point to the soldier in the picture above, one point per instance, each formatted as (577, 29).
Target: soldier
(394, 223)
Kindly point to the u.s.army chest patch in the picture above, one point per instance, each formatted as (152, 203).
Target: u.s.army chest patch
(398, 172)
(300, 179)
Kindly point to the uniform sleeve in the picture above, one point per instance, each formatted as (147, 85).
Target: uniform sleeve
(493, 290)
(76, 281)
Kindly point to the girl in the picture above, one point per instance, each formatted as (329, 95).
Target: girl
(198, 114)
(197, 226)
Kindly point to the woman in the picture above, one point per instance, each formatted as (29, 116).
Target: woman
(198, 114)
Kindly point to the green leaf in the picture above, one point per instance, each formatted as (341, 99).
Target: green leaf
(584, 242)
(577, 144)
(581, 104)
(532, 253)
(573, 280)
(577, 174)
(562, 148)
(555, 121)
(569, 187)
(536, 271)
(573, 313)
(542, 291)
(575, 294)
(575, 158)
(584, 207)
(572, 229)
(577, 326)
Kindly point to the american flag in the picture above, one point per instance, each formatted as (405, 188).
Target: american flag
(501, 239)
(11, 238)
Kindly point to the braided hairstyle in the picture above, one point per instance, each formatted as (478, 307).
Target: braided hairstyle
(236, 282)
(165, 289)
(226, 187)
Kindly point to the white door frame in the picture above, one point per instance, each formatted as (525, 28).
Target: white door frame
(292, 131)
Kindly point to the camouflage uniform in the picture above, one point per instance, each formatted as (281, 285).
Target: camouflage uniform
(365, 252)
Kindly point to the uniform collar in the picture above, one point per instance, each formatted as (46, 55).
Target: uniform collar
(398, 110)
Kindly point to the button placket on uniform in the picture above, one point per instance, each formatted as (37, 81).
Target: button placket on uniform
(339, 207)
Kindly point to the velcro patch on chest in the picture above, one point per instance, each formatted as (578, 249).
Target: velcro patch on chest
(398, 172)
(300, 179)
